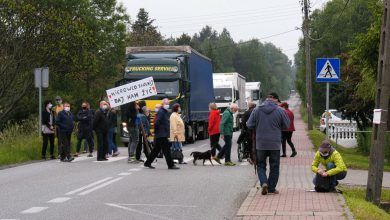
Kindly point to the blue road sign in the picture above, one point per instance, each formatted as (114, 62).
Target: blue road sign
(328, 70)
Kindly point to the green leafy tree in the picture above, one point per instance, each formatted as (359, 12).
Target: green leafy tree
(143, 32)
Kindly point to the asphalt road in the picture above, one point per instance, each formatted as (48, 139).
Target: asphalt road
(114, 189)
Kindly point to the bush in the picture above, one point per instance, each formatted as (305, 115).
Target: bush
(364, 144)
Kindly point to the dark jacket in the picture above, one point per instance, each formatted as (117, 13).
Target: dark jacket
(85, 120)
(269, 120)
(46, 118)
(161, 127)
(145, 122)
(101, 122)
(245, 118)
(112, 118)
(226, 126)
(65, 122)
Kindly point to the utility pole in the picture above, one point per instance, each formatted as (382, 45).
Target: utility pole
(308, 68)
(377, 152)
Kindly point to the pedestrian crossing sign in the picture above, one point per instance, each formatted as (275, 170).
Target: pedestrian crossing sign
(328, 70)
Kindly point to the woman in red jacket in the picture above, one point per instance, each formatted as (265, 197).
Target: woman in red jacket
(214, 121)
(287, 134)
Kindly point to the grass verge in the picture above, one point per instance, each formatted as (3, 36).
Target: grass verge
(352, 157)
(361, 209)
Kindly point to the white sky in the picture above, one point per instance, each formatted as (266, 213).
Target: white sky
(244, 19)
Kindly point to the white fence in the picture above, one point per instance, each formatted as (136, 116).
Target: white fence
(343, 133)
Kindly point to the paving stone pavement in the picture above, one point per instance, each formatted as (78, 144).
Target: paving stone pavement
(295, 201)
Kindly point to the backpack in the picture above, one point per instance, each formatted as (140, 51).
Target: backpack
(322, 184)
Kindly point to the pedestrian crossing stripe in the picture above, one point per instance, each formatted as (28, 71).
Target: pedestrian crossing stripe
(327, 70)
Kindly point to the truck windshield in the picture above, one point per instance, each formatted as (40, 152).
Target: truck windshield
(167, 88)
(255, 94)
(223, 94)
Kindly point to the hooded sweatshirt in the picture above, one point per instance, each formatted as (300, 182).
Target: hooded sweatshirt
(268, 120)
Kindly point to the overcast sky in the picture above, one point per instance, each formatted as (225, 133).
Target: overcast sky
(268, 20)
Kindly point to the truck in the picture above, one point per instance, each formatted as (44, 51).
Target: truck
(253, 92)
(180, 74)
(230, 88)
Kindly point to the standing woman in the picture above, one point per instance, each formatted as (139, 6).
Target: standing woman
(177, 129)
(133, 128)
(48, 130)
(213, 128)
(287, 134)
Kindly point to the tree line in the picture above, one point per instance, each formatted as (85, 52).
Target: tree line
(83, 44)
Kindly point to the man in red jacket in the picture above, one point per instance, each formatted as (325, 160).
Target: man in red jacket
(214, 121)
(287, 134)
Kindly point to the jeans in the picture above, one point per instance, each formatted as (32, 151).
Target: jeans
(48, 138)
(214, 144)
(226, 149)
(112, 148)
(133, 140)
(164, 144)
(333, 178)
(286, 137)
(274, 163)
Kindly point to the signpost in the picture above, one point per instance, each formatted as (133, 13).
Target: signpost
(41, 76)
(131, 92)
(327, 70)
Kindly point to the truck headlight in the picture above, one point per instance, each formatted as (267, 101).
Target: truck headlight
(124, 125)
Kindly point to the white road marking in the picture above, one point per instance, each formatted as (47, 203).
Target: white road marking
(34, 210)
(9, 219)
(100, 186)
(158, 205)
(88, 186)
(111, 159)
(137, 211)
(136, 169)
(124, 174)
(59, 200)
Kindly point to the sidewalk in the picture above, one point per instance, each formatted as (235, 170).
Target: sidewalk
(294, 201)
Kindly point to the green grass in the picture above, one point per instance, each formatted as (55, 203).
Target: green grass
(352, 157)
(361, 209)
(316, 120)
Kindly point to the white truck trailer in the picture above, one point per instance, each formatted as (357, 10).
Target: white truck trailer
(230, 88)
(253, 92)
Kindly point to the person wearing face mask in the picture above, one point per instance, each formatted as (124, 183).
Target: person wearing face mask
(161, 133)
(133, 128)
(65, 124)
(101, 124)
(56, 110)
(84, 117)
(177, 132)
(333, 163)
(48, 130)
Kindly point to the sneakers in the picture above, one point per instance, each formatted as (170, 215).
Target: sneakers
(131, 159)
(294, 154)
(229, 164)
(217, 159)
(149, 166)
(173, 167)
(264, 189)
(115, 154)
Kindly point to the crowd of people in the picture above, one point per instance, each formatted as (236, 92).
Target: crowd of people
(266, 128)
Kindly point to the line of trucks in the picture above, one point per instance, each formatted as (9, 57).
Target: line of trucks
(185, 76)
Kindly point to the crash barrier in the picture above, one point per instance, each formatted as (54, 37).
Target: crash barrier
(343, 133)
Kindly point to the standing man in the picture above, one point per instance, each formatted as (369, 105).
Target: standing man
(161, 133)
(65, 125)
(246, 134)
(101, 125)
(226, 131)
(268, 120)
(213, 129)
(84, 116)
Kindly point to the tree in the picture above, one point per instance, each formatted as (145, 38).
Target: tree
(184, 39)
(143, 33)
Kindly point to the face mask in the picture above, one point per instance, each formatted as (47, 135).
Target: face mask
(179, 110)
(67, 109)
(49, 106)
(325, 154)
(104, 107)
(156, 109)
(59, 102)
(84, 107)
(166, 107)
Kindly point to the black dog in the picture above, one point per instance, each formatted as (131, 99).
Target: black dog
(202, 156)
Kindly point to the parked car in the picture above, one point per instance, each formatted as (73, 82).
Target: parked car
(334, 116)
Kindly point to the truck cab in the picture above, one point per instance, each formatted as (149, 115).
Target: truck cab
(253, 92)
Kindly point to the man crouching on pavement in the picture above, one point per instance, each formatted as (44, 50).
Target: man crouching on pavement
(268, 120)
(332, 160)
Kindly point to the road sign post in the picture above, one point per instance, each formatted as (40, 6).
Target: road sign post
(41, 76)
(327, 70)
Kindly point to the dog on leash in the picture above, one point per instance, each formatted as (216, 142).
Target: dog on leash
(202, 156)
